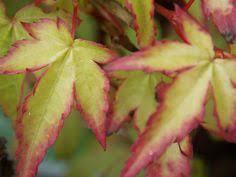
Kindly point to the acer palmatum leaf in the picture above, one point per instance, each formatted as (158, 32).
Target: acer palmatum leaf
(211, 124)
(144, 25)
(72, 73)
(141, 89)
(11, 31)
(184, 101)
(175, 162)
(223, 14)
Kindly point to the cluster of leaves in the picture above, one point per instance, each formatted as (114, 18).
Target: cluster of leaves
(167, 87)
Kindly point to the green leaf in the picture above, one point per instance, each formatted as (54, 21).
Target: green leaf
(72, 71)
(12, 30)
(10, 89)
(223, 13)
(172, 122)
(174, 162)
(212, 125)
(143, 14)
(140, 89)
(199, 69)
(165, 56)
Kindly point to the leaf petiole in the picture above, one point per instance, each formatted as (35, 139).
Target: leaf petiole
(188, 5)
(74, 17)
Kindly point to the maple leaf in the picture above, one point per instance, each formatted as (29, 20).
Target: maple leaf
(184, 101)
(10, 89)
(174, 162)
(141, 89)
(143, 14)
(223, 14)
(211, 124)
(72, 73)
(12, 30)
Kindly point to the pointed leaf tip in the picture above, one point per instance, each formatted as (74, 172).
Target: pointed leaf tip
(169, 123)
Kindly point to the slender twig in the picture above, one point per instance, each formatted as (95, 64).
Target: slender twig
(164, 12)
(188, 5)
(74, 17)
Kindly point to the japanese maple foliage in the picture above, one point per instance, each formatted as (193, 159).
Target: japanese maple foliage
(166, 87)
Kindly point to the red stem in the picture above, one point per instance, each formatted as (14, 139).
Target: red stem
(37, 2)
(164, 12)
(188, 5)
(74, 18)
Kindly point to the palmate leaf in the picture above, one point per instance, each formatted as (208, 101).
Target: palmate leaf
(10, 90)
(12, 30)
(211, 124)
(72, 73)
(223, 14)
(184, 101)
(140, 87)
(143, 14)
(174, 162)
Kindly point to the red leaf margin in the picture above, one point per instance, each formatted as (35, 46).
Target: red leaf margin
(167, 140)
(154, 169)
(99, 133)
(225, 22)
(136, 25)
(20, 129)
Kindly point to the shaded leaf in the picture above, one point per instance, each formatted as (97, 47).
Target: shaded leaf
(140, 89)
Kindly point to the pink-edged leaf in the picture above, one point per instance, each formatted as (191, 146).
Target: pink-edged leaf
(32, 54)
(70, 72)
(172, 122)
(165, 56)
(89, 50)
(92, 97)
(143, 13)
(136, 93)
(224, 91)
(192, 32)
(44, 111)
(223, 14)
(212, 125)
(175, 162)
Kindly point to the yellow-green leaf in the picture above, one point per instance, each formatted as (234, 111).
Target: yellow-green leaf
(174, 162)
(136, 93)
(69, 75)
(172, 122)
(166, 56)
(143, 14)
